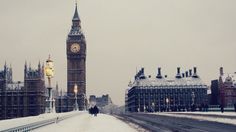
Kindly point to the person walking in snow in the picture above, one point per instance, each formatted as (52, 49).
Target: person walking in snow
(95, 110)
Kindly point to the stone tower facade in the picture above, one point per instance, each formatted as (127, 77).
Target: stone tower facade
(34, 90)
(5, 77)
(76, 61)
(21, 99)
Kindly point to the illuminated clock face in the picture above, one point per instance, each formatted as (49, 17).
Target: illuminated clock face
(75, 48)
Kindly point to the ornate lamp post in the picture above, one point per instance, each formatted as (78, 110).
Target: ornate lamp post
(49, 70)
(159, 102)
(153, 107)
(139, 102)
(76, 91)
(193, 97)
(167, 102)
(85, 98)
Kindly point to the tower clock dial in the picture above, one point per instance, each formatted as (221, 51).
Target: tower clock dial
(75, 48)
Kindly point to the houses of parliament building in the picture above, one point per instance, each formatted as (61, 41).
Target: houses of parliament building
(28, 98)
(21, 99)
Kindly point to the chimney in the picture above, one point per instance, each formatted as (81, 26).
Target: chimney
(142, 70)
(221, 71)
(178, 75)
(195, 72)
(186, 73)
(190, 72)
(178, 70)
(159, 73)
(141, 74)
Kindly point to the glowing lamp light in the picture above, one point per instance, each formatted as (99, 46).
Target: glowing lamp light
(76, 89)
(167, 100)
(49, 69)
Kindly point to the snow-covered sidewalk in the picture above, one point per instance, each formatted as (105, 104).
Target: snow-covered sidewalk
(227, 117)
(88, 123)
(10, 123)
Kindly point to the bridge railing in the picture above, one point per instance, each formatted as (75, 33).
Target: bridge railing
(217, 108)
(35, 125)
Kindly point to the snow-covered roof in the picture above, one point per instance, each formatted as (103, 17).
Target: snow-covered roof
(185, 80)
(190, 81)
(15, 86)
(230, 77)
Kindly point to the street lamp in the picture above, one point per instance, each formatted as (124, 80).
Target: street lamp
(84, 99)
(76, 91)
(167, 101)
(193, 97)
(159, 102)
(49, 70)
(139, 102)
(153, 106)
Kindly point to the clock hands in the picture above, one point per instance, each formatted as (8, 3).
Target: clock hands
(75, 48)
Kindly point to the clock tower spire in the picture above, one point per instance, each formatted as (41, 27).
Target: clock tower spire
(76, 61)
(76, 15)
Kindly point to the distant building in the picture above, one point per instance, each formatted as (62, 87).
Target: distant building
(100, 101)
(214, 97)
(126, 98)
(92, 98)
(21, 99)
(227, 87)
(63, 103)
(160, 94)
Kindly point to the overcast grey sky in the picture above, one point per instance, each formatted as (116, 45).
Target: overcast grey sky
(121, 35)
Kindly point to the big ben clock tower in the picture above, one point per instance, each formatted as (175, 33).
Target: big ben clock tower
(76, 62)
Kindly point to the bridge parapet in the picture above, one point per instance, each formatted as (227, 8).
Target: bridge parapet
(31, 126)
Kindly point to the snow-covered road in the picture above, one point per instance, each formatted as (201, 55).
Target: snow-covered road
(173, 122)
(88, 123)
(227, 117)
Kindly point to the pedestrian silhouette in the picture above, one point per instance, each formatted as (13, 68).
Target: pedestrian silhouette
(94, 110)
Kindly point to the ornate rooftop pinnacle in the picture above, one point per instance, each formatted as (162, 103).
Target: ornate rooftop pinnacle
(76, 15)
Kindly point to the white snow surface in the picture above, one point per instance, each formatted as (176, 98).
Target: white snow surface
(183, 82)
(10, 123)
(225, 119)
(88, 123)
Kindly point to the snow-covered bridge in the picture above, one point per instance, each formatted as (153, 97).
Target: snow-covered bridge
(129, 122)
(71, 121)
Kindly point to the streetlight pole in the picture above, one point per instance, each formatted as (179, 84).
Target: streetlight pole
(85, 108)
(138, 102)
(49, 70)
(167, 101)
(159, 102)
(76, 91)
(193, 96)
